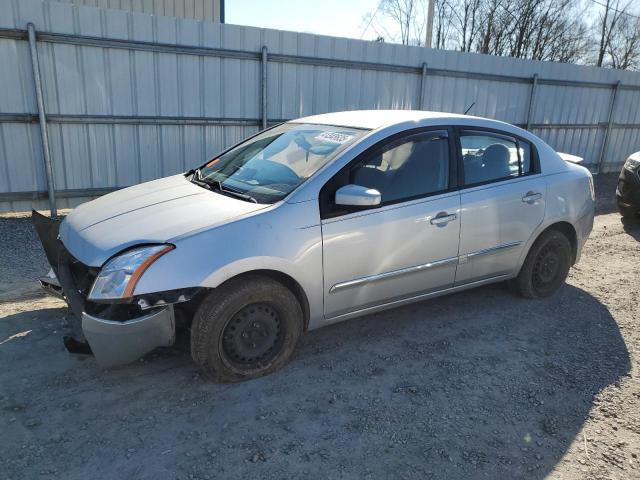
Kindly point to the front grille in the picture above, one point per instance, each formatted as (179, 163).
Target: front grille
(73, 277)
(83, 276)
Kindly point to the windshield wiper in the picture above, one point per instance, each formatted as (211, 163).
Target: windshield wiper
(235, 193)
(201, 181)
(197, 176)
(217, 185)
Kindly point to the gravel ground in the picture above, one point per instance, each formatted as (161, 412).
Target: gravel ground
(479, 384)
(21, 257)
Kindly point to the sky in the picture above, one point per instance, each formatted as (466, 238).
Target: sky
(338, 18)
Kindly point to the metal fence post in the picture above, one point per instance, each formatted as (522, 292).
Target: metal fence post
(35, 64)
(532, 100)
(264, 87)
(423, 84)
(605, 140)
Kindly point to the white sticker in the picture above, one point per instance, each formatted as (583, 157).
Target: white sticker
(334, 137)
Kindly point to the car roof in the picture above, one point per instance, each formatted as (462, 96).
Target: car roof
(374, 119)
(384, 123)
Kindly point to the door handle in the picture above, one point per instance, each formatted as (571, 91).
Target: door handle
(443, 218)
(531, 197)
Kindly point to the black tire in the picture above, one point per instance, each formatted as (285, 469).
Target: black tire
(546, 267)
(245, 329)
(627, 211)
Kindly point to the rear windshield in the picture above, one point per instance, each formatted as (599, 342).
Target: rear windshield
(270, 165)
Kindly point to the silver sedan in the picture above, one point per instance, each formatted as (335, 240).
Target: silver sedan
(312, 222)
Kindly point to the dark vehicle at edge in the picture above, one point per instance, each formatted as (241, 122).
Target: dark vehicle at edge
(628, 189)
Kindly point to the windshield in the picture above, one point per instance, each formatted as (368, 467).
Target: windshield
(270, 165)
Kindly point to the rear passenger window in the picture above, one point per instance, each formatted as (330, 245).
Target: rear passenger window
(412, 167)
(488, 157)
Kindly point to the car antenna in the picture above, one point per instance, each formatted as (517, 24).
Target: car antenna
(470, 107)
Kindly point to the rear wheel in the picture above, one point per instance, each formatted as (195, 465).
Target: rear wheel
(247, 328)
(546, 267)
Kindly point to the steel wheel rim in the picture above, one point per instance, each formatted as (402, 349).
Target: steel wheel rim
(546, 268)
(253, 336)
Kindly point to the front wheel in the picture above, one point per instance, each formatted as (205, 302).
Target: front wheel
(246, 328)
(546, 267)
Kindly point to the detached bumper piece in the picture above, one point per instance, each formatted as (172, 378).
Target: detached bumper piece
(58, 282)
(48, 229)
(51, 285)
(112, 342)
(117, 343)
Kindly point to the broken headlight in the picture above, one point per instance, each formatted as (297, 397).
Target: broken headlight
(118, 277)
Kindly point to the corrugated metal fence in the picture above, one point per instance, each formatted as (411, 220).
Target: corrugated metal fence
(196, 9)
(131, 97)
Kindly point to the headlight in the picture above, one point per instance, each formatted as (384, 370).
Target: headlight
(119, 276)
(632, 163)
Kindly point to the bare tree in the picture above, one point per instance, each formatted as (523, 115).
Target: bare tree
(404, 13)
(618, 30)
(464, 21)
(624, 47)
(490, 28)
(534, 29)
(551, 30)
(442, 25)
(608, 20)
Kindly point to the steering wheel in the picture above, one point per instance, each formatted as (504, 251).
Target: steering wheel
(268, 172)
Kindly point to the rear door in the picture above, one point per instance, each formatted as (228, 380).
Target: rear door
(502, 199)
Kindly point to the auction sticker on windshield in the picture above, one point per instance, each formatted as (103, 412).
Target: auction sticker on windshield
(334, 137)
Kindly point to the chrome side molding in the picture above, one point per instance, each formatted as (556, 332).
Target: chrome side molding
(394, 273)
(488, 251)
(462, 259)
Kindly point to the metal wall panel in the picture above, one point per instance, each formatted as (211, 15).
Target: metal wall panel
(559, 104)
(623, 142)
(120, 114)
(585, 142)
(627, 108)
(195, 9)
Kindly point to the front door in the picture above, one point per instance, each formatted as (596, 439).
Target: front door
(408, 245)
(503, 202)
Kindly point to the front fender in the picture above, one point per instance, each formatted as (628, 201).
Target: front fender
(246, 265)
(286, 239)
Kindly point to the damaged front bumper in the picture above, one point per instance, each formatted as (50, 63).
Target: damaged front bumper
(117, 343)
(112, 341)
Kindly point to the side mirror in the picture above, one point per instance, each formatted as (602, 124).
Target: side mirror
(358, 196)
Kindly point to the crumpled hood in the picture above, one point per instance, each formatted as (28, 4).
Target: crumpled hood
(152, 212)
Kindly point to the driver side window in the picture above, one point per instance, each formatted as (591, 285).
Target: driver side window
(408, 168)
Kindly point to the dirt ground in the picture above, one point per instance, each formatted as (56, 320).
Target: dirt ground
(480, 384)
